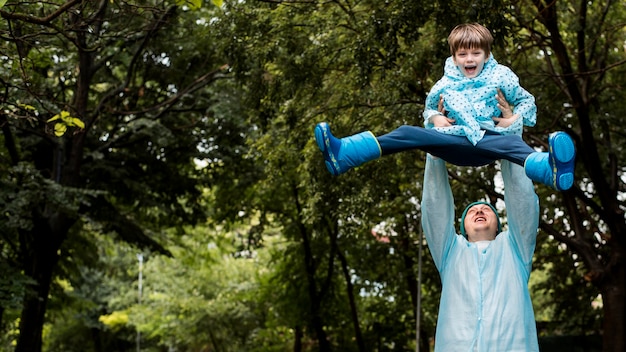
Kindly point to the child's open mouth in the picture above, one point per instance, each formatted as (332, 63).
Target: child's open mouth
(470, 69)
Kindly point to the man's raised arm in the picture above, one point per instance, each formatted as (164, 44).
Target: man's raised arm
(437, 209)
(522, 208)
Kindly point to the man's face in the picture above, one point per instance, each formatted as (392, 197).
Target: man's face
(470, 61)
(481, 223)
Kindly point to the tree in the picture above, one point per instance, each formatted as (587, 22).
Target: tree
(581, 46)
(369, 65)
(106, 111)
(111, 106)
(208, 295)
(341, 63)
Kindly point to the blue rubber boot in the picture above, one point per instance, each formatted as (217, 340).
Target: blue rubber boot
(556, 167)
(342, 154)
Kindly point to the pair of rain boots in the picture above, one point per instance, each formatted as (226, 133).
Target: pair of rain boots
(554, 168)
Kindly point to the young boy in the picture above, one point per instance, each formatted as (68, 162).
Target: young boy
(475, 92)
(470, 88)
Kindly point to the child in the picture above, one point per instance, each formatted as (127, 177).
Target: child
(474, 90)
(470, 87)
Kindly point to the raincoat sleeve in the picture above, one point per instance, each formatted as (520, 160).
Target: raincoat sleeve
(522, 210)
(432, 101)
(437, 210)
(430, 108)
(523, 102)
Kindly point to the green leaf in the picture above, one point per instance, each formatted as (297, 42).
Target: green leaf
(66, 121)
(23, 106)
(193, 4)
(62, 116)
(114, 320)
(59, 129)
(77, 122)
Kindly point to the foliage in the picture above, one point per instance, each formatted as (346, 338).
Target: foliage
(116, 75)
(66, 121)
(575, 54)
(355, 67)
(208, 295)
(366, 66)
(175, 113)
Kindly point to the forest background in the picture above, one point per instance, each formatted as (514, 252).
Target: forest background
(161, 189)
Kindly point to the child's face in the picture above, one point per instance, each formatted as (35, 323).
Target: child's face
(470, 61)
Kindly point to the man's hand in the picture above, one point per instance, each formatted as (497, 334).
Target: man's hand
(441, 120)
(508, 117)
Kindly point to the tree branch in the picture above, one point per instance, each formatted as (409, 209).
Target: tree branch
(44, 21)
(582, 248)
(131, 66)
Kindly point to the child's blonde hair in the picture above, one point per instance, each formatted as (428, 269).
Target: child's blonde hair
(470, 36)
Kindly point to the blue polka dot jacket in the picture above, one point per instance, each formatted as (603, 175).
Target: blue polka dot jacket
(472, 101)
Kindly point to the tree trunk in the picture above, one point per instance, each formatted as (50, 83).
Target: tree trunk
(314, 295)
(297, 339)
(34, 309)
(353, 309)
(39, 265)
(613, 297)
(41, 245)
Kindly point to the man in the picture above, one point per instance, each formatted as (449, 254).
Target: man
(485, 303)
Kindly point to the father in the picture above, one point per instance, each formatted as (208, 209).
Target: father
(485, 303)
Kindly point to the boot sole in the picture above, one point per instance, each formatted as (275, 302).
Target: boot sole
(323, 143)
(562, 160)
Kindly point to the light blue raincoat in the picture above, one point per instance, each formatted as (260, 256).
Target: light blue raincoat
(472, 103)
(485, 303)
